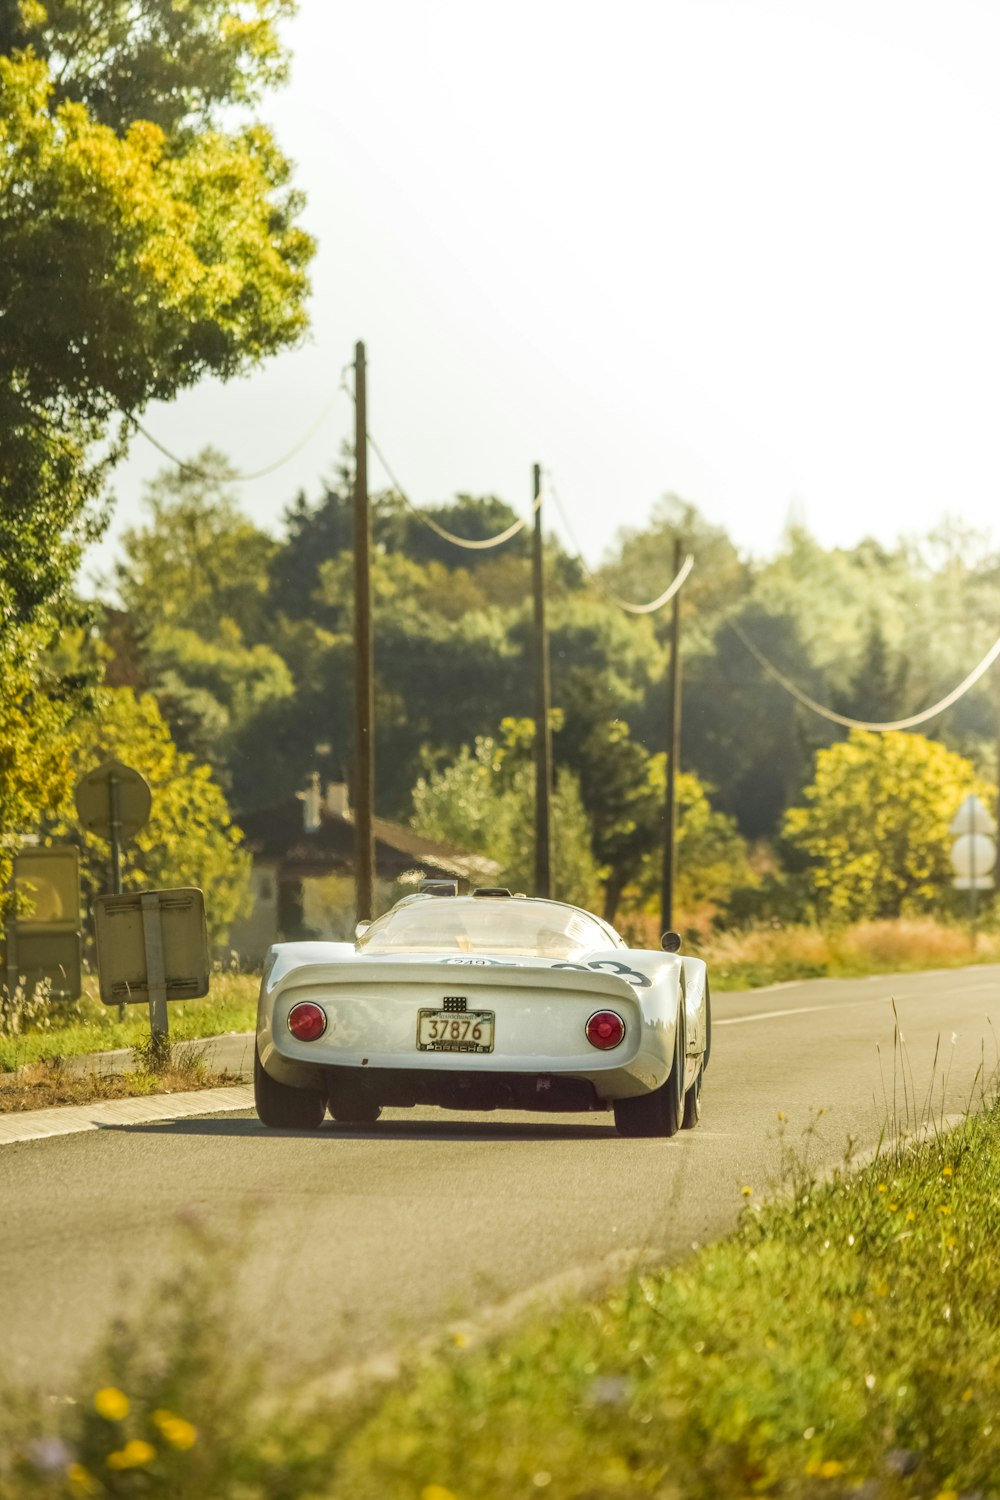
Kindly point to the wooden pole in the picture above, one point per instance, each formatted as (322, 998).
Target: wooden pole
(543, 732)
(673, 756)
(364, 692)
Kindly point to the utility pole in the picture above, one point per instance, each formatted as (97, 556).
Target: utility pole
(673, 755)
(364, 697)
(543, 732)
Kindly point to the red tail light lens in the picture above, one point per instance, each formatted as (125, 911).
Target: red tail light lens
(605, 1029)
(306, 1022)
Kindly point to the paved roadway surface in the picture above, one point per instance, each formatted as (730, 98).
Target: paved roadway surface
(357, 1239)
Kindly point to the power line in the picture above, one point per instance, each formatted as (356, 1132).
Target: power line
(449, 536)
(633, 609)
(257, 473)
(835, 718)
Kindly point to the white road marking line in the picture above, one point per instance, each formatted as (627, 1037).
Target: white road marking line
(799, 1010)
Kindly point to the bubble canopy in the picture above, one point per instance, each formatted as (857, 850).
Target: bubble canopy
(480, 924)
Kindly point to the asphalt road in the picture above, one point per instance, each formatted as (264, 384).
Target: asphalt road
(350, 1241)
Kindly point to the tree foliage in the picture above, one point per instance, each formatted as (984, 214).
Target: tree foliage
(874, 825)
(143, 245)
(189, 839)
(484, 801)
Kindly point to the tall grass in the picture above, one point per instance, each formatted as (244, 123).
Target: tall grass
(60, 1029)
(746, 958)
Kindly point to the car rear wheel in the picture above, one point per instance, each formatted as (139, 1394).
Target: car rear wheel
(692, 1102)
(350, 1107)
(283, 1108)
(658, 1113)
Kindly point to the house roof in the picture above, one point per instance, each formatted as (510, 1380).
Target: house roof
(277, 833)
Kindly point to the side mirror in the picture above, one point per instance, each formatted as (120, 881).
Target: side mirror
(670, 942)
(361, 929)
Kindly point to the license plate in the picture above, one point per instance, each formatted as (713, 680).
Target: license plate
(450, 1031)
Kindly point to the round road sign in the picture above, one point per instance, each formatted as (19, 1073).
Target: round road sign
(110, 794)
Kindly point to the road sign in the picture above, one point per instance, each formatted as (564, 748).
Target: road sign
(972, 817)
(972, 858)
(100, 790)
(47, 884)
(42, 938)
(152, 946)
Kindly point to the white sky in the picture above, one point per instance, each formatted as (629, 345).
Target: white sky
(745, 250)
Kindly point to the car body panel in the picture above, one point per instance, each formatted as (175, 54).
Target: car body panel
(541, 1005)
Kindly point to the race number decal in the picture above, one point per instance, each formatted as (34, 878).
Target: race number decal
(612, 966)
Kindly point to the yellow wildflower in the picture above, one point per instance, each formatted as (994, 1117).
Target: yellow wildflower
(111, 1403)
(747, 1192)
(830, 1469)
(947, 1172)
(178, 1432)
(946, 1495)
(436, 1492)
(944, 1209)
(136, 1454)
(910, 1215)
(967, 1393)
(857, 1318)
(883, 1187)
(882, 1290)
(81, 1480)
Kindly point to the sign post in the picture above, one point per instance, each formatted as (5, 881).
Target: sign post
(152, 946)
(113, 801)
(973, 854)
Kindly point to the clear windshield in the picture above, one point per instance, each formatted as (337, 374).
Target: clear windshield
(459, 924)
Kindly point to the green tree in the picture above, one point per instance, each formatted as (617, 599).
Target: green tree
(711, 854)
(36, 743)
(148, 238)
(484, 801)
(197, 563)
(875, 824)
(194, 581)
(189, 839)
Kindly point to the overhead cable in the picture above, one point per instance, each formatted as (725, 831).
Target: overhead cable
(633, 609)
(849, 723)
(448, 536)
(257, 473)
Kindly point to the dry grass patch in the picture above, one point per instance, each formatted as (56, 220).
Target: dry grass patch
(47, 1084)
(755, 956)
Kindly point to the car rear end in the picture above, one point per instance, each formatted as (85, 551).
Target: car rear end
(476, 1033)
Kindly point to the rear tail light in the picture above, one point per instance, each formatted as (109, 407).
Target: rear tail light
(605, 1029)
(306, 1022)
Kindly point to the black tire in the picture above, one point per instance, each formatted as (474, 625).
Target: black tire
(658, 1113)
(692, 1102)
(280, 1107)
(352, 1109)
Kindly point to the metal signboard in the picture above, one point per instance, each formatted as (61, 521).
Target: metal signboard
(152, 946)
(47, 883)
(113, 798)
(42, 937)
(49, 959)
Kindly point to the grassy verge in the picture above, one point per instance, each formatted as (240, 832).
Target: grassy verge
(89, 1026)
(44, 1085)
(744, 960)
(844, 1341)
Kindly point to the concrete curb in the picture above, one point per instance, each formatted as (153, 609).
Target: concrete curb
(107, 1114)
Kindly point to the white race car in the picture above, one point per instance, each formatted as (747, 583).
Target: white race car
(488, 1001)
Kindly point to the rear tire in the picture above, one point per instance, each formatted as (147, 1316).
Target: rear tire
(281, 1107)
(692, 1102)
(353, 1109)
(658, 1113)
